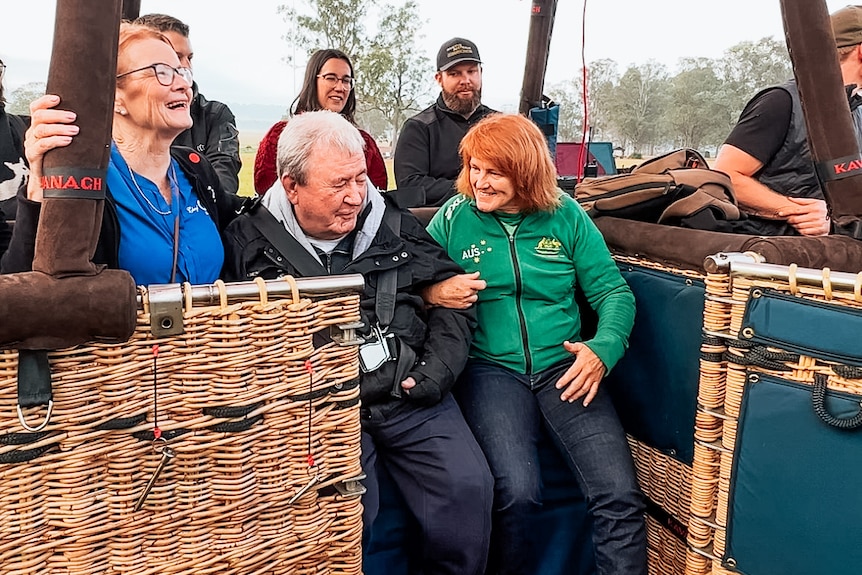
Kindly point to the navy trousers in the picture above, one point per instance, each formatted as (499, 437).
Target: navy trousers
(505, 411)
(443, 476)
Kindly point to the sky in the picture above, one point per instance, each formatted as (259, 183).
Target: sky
(240, 57)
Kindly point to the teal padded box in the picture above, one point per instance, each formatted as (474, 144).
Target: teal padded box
(795, 505)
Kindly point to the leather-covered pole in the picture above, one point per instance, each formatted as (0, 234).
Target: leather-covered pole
(131, 9)
(66, 300)
(687, 248)
(74, 176)
(808, 31)
(542, 15)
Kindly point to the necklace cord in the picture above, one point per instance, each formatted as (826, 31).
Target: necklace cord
(175, 193)
(146, 199)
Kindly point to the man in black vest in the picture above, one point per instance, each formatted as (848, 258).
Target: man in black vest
(329, 219)
(766, 154)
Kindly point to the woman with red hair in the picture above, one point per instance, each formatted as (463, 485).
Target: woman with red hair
(529, 362)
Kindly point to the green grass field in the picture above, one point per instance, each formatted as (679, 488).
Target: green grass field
(246, 175)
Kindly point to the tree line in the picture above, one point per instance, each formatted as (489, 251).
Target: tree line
(644, 110)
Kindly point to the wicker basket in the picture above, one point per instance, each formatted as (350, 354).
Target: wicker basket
(738, 363)
(666, 480)
(253, 411)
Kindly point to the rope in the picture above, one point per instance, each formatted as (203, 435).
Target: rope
(818, 401)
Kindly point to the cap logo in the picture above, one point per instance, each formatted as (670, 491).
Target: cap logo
(457, 50)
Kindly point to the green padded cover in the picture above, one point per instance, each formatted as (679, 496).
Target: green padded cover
(654, 386)
(795, 505)
(820, 329)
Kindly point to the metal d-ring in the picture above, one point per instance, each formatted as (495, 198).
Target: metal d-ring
(44, 423)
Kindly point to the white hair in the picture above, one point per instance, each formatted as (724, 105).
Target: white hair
(309, 130)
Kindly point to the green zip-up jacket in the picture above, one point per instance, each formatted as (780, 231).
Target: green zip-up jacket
(528, 308)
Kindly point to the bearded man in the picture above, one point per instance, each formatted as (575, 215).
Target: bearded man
(426, 155)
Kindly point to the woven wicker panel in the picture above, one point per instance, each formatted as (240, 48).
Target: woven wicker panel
(666, 481)
(242, 397)
(668, 484)
(721, 392)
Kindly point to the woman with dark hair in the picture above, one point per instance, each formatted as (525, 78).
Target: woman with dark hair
(530, 363)
(328, 85)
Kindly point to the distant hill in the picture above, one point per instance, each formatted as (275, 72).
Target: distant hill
(253, 120)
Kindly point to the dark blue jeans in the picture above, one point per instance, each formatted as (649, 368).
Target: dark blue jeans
(440, 470)
(505, 411)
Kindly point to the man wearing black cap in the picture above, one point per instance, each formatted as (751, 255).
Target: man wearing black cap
(766, 154)
(426, 156)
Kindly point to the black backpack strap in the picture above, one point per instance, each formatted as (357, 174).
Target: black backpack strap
(306, 264)
(387, 285)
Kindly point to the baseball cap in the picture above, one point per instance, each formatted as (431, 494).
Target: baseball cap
(847, 26)
(455, 51)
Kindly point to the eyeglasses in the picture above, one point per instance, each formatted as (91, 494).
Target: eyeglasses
(332, 80)
(165, 73)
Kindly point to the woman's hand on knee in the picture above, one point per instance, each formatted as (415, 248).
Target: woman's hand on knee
(582, 379)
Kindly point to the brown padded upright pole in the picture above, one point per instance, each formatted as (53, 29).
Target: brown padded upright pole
(66, 300)
(808, 31)
(83, 73)
(131, 9)
(538, 45)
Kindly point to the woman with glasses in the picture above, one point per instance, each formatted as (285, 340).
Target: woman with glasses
(328, 85)
(164, 208)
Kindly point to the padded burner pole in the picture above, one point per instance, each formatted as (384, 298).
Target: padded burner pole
(67, 300)
(808, 31)
(131, 9)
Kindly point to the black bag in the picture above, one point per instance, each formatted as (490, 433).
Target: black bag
(664, 190)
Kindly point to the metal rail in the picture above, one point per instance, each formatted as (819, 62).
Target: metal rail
(312, 286)
(747, 265)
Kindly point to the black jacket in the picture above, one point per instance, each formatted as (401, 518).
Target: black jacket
(440, 337)
(214, 134)
(426, 156)
(222, 208)
(12, 169)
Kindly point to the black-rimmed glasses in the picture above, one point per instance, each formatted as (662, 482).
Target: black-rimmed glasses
(164, 73)
(332, 80)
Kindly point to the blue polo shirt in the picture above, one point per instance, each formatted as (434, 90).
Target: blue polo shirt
(147, 227)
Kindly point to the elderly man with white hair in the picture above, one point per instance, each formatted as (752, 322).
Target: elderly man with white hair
(329, 219)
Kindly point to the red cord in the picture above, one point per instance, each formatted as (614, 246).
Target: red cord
(309, 368)
(157, 433)
(583, 153)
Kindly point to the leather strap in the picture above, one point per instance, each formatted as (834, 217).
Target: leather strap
(34, 384)
(286, 244)
(387, 286)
